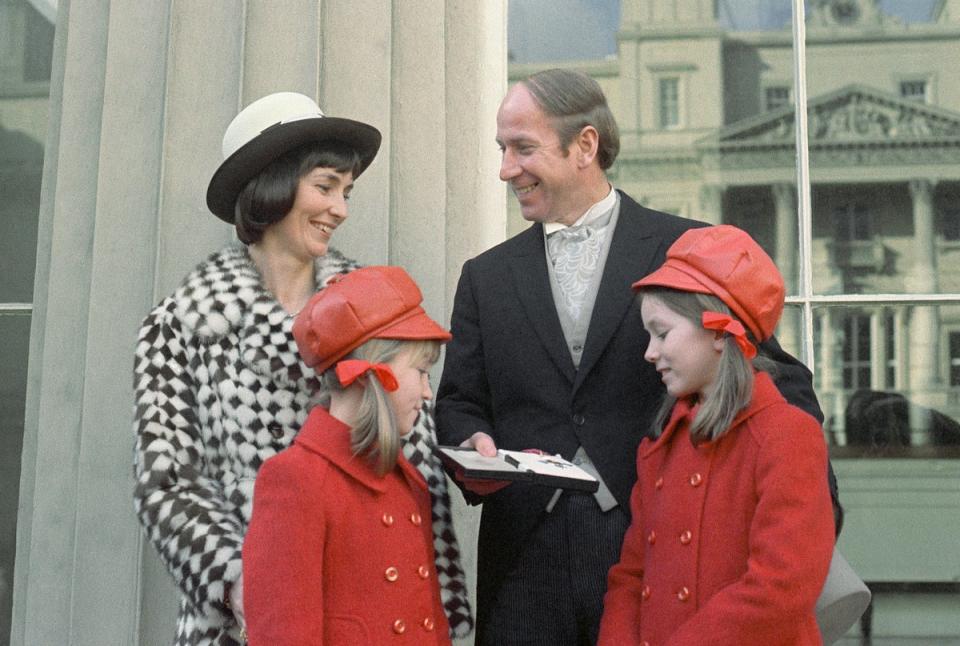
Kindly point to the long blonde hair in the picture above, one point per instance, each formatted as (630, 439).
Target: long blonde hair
(733, 387)
(374, 432)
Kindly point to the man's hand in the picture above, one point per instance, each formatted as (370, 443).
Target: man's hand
(484, 445)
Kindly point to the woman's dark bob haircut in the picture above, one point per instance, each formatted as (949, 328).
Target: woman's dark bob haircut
(268, 197)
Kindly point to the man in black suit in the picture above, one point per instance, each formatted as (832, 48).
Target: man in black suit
(547, 353)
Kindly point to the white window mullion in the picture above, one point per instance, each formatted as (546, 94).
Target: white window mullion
(16, 308)
(805, 287)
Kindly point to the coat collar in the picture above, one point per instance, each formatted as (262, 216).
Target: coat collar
(327, 436)
(225, 295)
(765, 394)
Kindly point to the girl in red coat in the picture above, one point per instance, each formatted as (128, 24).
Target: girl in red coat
(340, 547)
(732, 527)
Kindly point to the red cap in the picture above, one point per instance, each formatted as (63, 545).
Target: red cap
(725, 261)
(369, 303)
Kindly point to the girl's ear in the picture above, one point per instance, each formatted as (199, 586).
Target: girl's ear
(719, 341)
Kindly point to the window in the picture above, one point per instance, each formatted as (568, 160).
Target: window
(876, 309)
(950, 223)
(953, 341)
(777, 97)
(914, 90)
(856, 352)
(853, 222)
(669, 102)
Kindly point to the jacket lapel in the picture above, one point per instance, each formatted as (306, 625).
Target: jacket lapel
(632, 255)
(532, 283)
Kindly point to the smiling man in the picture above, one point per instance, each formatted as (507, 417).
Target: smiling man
(547, 353)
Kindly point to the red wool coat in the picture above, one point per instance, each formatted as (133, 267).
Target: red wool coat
(731, 540)
(335, 554)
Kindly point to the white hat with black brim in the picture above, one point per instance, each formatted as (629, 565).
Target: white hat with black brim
(270, 127)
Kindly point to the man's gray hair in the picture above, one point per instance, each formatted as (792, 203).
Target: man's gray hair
(574, 101)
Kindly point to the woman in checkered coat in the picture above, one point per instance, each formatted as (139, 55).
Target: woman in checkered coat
(219, 384)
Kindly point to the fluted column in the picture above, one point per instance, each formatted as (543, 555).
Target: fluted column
(787, 241)
(924, 319)
(831, 384)
(711, 203)
(140, 96)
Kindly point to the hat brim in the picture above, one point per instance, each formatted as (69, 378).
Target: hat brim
(670, 276)
(272, 143)
(415, 327)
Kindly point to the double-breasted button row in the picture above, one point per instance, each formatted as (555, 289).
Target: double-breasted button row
(391, 574)
(696, 479)
(387, 519)
(683, 593)
(400, 626)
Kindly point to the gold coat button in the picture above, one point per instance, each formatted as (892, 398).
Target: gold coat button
(399, 626)
(695, 480)
(391, 574)
(427, 624)
(652, 537)
(644, 643)
(659, 483)
(423, 572)
(415, 519)
(686, 537)
(683, 594)
(645, 592)
(387, 519)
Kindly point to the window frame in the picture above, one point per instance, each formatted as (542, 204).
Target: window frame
(806, 297)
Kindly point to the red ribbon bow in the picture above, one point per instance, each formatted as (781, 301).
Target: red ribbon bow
(352, 369)
(725, 323)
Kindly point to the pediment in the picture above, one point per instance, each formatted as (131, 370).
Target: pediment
(854, 114)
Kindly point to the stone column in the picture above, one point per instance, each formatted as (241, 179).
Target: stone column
(831, 386)
(787, 240)
(785, 255)
(627, 111)
(924, 319)
(711, 203)
(878, 349)
(140, 97)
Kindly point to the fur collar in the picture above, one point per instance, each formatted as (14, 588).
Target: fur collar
(225, 295)
(222, 294)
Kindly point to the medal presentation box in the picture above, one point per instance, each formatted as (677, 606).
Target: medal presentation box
(540, 469)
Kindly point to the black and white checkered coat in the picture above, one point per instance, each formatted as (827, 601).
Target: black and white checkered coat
(219, 389)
